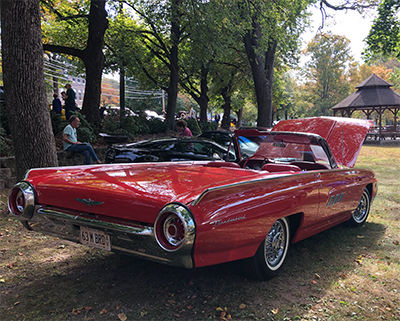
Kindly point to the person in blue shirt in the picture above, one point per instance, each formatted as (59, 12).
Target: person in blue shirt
(71, 143)
(56, 104)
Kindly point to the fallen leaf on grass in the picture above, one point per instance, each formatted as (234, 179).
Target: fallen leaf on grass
(88, 308)
(359, 260)
(122, 317)
(76, 311)
(104, 311)
(275, 311)
(225, 316)
(242, 306)
(314, 282)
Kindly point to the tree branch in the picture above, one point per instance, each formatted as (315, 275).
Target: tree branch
(63, 50)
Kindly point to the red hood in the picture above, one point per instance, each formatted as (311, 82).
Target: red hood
(345, 136)
(128, 191)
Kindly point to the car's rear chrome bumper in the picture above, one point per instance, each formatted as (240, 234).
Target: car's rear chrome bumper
(127, 237)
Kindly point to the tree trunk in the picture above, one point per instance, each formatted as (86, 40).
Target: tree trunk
(226, 118)
(172, 90)
(24, 85)
(262, 84)
(203, 99)
(94, 60)
(239, 115)
(200, 98)
(122, 94)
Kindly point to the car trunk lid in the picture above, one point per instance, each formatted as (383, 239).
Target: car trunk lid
(345, 136)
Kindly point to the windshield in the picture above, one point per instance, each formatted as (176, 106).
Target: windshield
(282, 148)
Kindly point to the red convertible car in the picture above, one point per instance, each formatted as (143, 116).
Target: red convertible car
(288, 185)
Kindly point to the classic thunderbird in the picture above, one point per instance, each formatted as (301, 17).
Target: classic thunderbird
(195, 214)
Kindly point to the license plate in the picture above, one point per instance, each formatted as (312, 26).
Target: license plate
(95, 238)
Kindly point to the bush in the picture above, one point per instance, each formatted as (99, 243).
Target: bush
(133, 126)
(5, 143)
(3, 119)
(195, 126)
(57, 123)
(156, 125)
(85, 131)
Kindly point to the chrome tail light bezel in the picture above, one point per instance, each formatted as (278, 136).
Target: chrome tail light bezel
(175, 227)
(22, 201)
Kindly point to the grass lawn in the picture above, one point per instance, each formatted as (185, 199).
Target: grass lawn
(340, 274)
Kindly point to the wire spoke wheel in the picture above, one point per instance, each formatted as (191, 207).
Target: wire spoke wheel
(276, 244)
(360, 214)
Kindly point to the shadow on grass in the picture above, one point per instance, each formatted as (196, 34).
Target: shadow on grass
(95, 285)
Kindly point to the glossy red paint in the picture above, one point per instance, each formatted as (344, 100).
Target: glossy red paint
(224, 213)
(235, 230)
(344, 135)
(124, 188)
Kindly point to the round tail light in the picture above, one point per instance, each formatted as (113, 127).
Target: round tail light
(21, 201)
(174, 226)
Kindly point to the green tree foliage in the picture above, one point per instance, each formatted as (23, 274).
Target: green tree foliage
(384, 36)
(326, 72)
(76, 28)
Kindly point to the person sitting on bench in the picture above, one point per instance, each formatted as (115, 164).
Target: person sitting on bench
(71, 144)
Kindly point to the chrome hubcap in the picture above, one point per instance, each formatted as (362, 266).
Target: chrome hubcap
(361, 210)
(275, 244)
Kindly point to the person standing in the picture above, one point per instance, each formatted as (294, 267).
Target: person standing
(192, 113)
(71, 143)
(56, 104)
(69, 100)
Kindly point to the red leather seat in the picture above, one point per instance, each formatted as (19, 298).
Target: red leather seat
(223, 164)
(280, 168)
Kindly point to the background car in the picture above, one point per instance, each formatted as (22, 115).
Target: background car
(167, 150)
(224, 137)
(114, 112)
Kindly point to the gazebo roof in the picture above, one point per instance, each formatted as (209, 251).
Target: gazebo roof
(372, 92)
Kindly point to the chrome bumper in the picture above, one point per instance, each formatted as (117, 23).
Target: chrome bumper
(137, 240)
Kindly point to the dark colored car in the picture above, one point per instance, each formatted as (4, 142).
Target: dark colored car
(169, 149)
(224, 137)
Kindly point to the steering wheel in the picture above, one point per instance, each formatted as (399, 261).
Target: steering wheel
(264, 160)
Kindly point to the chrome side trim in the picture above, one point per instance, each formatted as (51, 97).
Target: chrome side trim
(127, 237)
(209, 190)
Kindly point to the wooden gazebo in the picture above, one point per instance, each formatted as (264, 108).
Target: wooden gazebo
(373, 94)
